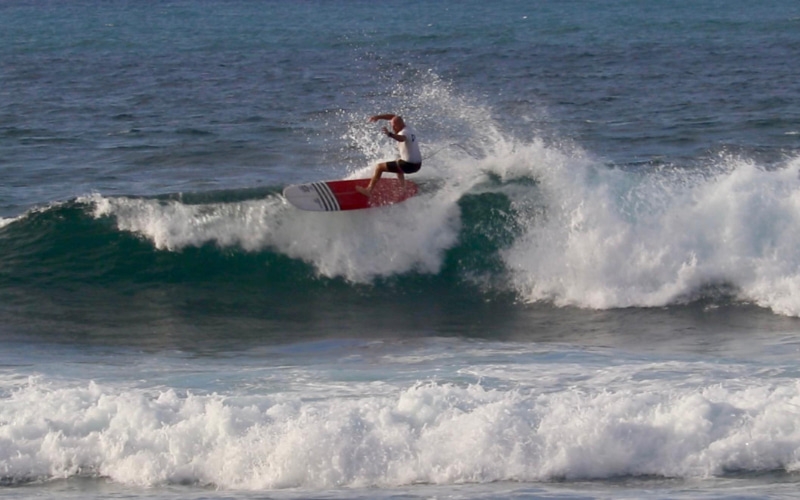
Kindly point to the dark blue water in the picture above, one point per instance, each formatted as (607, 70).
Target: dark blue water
(595, 294)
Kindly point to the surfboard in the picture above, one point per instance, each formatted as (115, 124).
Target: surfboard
(332, 196)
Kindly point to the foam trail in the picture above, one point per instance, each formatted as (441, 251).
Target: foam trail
(358, 246)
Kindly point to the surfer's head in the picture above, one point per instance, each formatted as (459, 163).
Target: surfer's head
(398, 124)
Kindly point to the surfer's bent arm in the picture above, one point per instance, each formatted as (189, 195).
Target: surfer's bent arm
(396, 137)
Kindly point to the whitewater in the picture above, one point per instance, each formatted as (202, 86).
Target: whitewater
(503, 412)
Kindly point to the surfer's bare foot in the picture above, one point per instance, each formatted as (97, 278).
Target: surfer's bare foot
(366, 192)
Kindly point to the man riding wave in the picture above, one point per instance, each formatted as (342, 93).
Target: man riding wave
(410, 159)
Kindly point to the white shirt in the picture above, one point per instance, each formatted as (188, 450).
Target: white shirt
(409, 149)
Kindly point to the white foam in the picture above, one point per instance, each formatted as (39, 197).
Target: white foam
(616, 239)
(616, 421)
(358, 246)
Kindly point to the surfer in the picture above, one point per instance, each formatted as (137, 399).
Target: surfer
(410, 159)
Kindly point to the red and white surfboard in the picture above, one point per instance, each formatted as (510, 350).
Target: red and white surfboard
(330, 196)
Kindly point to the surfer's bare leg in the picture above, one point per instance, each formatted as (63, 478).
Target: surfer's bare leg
(402, 178)
(367, 191)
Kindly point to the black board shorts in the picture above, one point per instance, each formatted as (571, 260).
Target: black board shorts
(406, 167)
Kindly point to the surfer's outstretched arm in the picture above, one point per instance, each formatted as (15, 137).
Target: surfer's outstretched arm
(385, 116)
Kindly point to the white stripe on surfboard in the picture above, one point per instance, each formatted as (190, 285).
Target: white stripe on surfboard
(327, 197)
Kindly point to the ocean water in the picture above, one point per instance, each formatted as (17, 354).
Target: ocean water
(595, 295)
